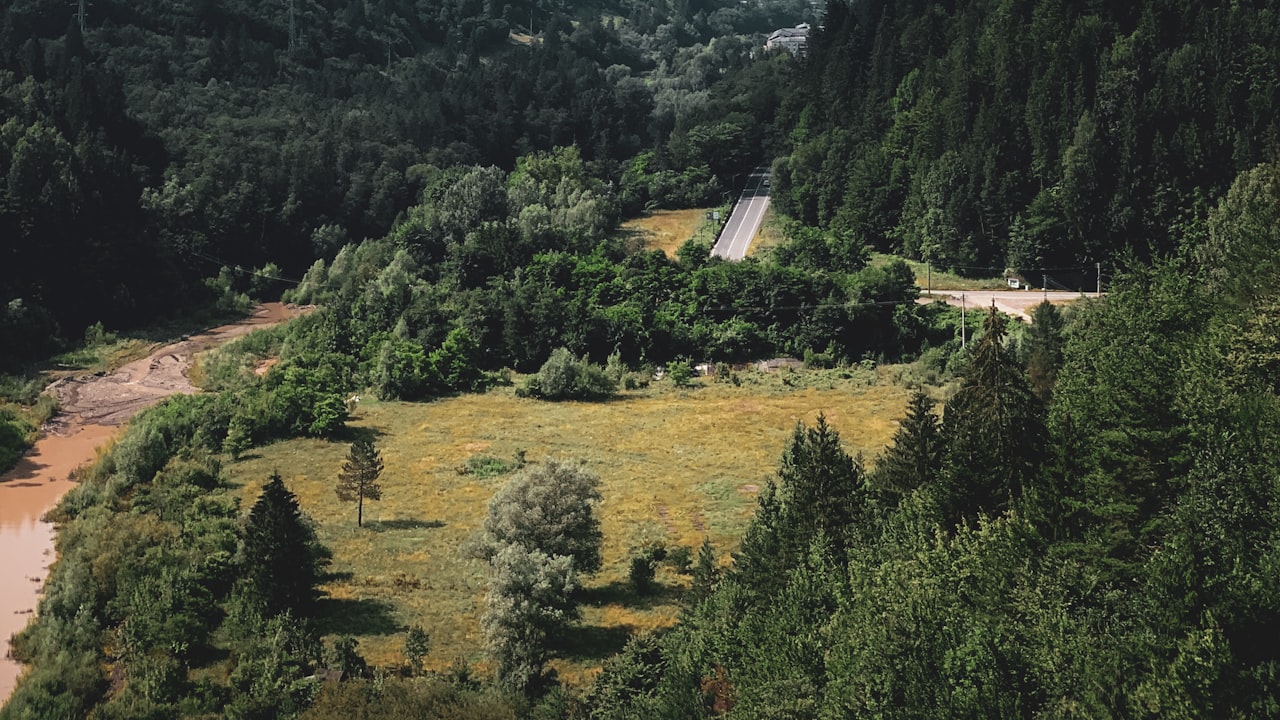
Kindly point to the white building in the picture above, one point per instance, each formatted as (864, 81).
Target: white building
(790, 39)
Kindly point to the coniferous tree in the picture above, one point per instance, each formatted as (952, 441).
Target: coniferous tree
(758, 565)
(359, 477)
(1044, 349)
(706, 572)
(282, 559)
(915, 458)
(819, 491)
(822, 486)
(993, 429)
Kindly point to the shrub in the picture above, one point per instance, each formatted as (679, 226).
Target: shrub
(680, 373)
(565, 377)
(416, 645)
(644, 566)
(484, 467)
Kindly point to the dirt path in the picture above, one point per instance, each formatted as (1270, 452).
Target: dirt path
(92, 408)
(1017, 303)
(113, 398)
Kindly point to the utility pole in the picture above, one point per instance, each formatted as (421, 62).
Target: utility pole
(1099, 266)
(293, 26)
(1045, 286)
(928, 269)
(80, 8)
(962, 321)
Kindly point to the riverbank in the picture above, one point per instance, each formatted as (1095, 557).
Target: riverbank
(93, 409)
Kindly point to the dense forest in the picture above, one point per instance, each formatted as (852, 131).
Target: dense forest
(987, 134)
(1088, 528)
(147, 146)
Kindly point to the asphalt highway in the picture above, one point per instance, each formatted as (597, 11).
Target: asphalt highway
(745, 220)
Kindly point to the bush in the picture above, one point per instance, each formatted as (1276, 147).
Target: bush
(14, 435)
(680, 373)
(644, 566)
(565, 377)
(484, 467)
(549, 507)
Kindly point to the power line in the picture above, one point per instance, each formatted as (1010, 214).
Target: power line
(240, 269)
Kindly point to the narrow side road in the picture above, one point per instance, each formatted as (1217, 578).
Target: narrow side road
(748, 213)
(1017, 303)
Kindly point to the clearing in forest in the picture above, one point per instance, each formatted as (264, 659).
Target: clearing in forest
(675, 465)
(667, 230)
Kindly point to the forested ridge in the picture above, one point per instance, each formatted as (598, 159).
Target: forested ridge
(148, 145)
(1089, 527)
(1052, 135)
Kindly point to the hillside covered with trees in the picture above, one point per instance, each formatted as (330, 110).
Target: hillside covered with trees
(1089, 528)
(146, 146)
(986, 134)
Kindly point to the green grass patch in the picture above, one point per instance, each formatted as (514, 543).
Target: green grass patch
(942, 280)
(676, 465)
(770, 235)
(483, 467)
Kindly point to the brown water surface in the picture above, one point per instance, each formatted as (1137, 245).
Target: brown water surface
(26, 543)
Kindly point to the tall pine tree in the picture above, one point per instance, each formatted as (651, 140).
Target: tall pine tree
(993, 429)
(915, 458)
(359, 477)
(282, 559)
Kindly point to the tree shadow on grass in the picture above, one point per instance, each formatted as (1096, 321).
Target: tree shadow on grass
(355, 617)
(592, 642)
(349, 434)
(621, 592)
(387, 525)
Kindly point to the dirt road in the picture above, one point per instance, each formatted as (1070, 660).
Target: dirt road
(1017, 303)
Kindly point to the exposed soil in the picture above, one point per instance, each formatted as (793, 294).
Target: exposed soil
(1017, 303)
(92, 408)
(113, 398)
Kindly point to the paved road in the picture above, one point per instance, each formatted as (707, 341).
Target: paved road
(747, 215)
(1014, 302)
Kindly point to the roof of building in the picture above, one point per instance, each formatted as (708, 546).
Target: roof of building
(799, 31)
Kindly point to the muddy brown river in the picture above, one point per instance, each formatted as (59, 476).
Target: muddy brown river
(93, 409)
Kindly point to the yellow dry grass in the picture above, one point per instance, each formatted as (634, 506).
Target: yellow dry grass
(667, 230)
(769, 235)
(675, 465)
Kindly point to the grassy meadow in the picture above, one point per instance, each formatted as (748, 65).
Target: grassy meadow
(675, 465)
(667, 230)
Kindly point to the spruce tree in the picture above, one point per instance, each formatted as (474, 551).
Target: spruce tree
(915, 458)
(1044, 349)
(822, 488)
(706, 572)
(359, 477)
(759, 565)
(993, 428)
(282, 559)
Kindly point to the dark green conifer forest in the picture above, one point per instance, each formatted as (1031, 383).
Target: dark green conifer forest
(1087, 525)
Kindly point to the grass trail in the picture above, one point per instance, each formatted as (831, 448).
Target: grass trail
(675, 465)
